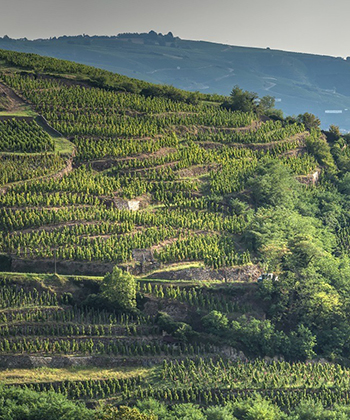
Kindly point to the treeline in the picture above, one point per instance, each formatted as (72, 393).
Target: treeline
(19, 404)
(32, 405)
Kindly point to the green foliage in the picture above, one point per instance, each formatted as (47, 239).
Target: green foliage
(15, 168)
(256, 409)
(215, 322)
(266, 103)
(309, 120)
(152, 406)
(266, 132)
(285, 239)
(216, 186)
(242, 100)
(124, 413)
(18, 404)
(274, 185)
(23, 136)
(260, 337)
(317, 145)
(119, 288)
(245, 101)
(302, 343)
(333, 133)
(179, 330)
(218, 413)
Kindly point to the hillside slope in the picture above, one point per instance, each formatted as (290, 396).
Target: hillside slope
(302, 82)
(192, 203)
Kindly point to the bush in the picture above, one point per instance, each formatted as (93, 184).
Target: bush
(215, 322)
(119, 288)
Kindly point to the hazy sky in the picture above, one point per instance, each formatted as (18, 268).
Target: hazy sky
(315, 26)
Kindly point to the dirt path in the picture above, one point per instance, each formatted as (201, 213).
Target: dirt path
(108, 162)
(300, 137)
(15, 102)
(269, 84)
(195, 129)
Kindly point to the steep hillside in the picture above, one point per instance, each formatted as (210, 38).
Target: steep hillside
(193, 202)
(301, 82)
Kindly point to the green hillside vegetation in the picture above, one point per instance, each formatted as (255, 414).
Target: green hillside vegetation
(185, 203)
(302, 82)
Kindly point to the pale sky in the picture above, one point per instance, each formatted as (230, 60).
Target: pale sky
(312, 26)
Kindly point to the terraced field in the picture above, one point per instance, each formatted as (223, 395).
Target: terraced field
(196, 202)
(181, 165)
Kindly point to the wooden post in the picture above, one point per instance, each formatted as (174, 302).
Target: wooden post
(55, 262)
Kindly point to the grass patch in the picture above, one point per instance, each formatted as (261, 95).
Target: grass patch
(178, 266)
(45, 374)
(26, 111)
(24, 276)
(63, 146)
(47, 276)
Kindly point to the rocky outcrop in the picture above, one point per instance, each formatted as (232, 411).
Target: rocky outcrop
(62, 267)
(57, 362)
(245, 274)
(132, 205)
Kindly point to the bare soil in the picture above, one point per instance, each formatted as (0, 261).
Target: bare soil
(13, 101)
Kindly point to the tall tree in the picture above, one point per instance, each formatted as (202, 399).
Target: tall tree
(241, 100)
(309, 120)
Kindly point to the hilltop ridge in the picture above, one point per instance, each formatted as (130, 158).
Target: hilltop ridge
(301, 82)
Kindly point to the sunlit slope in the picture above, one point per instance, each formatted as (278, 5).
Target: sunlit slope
(180, 164)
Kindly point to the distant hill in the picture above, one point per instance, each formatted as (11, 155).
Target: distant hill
(299, 82)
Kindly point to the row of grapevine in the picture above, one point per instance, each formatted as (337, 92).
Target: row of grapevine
(24, 136)
(21, 167)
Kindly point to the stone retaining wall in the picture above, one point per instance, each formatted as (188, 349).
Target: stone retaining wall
(246, 273)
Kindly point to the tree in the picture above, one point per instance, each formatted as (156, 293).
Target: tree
(302, 343)
(241, 100)
(266, 102)
(309, 120)
(119, 288)
(215, 322)
(151, 406)
(124, 413)
(266, 107)
(256, 408)
(312, 410)
(245, 101)
(187, 411)
(218, 413)
(272, 254)
(317, 145)
(318, 303)
(17, 404)
(193, 98)
(238, 207)
(273, 184)
(180, 330)
(333, 133)
(344, 184)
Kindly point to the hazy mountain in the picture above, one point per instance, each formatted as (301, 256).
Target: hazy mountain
(299, 82)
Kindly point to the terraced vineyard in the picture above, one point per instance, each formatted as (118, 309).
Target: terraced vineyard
(196, 202)
(145, 149)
